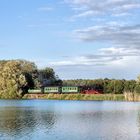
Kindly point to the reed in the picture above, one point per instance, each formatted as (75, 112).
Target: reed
(132, 96)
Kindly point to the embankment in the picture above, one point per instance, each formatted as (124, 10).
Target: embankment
(97, 97)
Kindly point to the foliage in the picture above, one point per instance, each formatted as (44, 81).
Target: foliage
(137, 87)
(14, 77)
(11, 79)
(118, 86)
(47, 77)
(111, 86)
(47, 73)
(129, 86)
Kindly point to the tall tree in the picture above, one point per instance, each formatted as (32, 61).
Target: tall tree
(13, 77)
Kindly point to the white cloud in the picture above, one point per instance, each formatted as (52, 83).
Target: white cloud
(105, 56)
(97, 7)
(116, 35)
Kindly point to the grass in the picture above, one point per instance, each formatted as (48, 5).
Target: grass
(96, 97)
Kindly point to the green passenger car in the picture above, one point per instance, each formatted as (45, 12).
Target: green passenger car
(51, 90)
(70, 89)
(34, 91)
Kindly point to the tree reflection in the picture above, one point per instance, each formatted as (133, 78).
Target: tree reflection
(138, 121)
(16, 121)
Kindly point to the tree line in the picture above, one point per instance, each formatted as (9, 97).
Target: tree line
(17, 76)
(111, 86)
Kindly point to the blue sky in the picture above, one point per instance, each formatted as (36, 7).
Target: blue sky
(78, 38)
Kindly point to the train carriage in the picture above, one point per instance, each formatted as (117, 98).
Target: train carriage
(52, 90)
(34, 91)
(70, 89)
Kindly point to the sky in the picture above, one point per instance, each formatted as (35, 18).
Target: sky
(79, 39)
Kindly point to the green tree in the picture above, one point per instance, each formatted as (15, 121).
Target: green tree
(47, 73)
(14, 77)
(12, 80)
(137, 87)
(129, 86)
(47, 77)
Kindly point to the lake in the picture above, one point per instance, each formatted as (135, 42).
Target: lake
(69, 120)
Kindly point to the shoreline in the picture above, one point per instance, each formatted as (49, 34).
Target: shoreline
(80, 97)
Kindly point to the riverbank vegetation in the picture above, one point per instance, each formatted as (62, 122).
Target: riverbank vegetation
(17, 76)
(95, 97)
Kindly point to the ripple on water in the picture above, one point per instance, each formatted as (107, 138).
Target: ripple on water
(67, 120)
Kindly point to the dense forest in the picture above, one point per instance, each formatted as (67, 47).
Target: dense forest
(17, 76)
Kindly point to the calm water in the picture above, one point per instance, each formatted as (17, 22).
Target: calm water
(69, 120)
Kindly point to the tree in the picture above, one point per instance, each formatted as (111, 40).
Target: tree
(137, 87)
(12, 80)
(129, 86)
(47, 77)
(47, 73)
(15, 77)
(118, 86)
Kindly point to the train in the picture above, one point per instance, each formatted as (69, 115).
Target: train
(67, 90)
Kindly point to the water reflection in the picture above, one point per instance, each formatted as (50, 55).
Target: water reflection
(138, 121)
(69, 120)
(22, 122)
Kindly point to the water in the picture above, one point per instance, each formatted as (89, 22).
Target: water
(69, 120)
